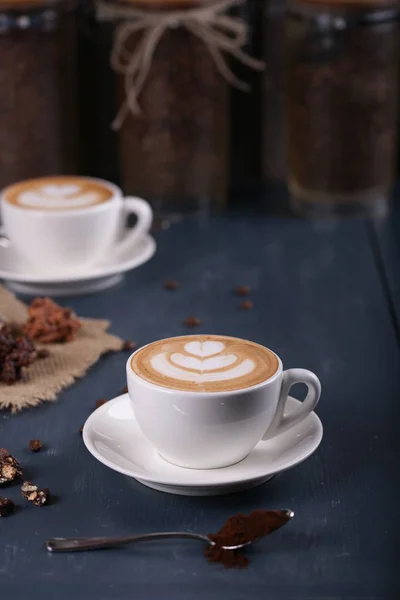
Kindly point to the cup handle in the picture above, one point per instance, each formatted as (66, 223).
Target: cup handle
(282, 422)
(142, 210)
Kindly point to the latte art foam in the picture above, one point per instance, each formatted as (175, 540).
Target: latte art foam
(58, 193)
(205, 363)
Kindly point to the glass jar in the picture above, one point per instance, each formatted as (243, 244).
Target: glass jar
(98, 142)
(175, 152)
(246, 107)
(342, 97)
(38, 91)
(273, 119)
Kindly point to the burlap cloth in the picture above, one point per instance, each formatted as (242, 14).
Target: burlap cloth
(45, 378)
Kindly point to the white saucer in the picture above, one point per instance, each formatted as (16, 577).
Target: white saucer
(20, 277)
(112, 435)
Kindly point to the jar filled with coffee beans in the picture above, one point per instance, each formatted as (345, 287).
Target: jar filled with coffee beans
(173, 125)
(342, 102)
(38, 90)
(273, 113)
(246, 108)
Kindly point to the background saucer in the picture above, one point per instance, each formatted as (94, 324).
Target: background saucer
(20, 278)
(113, 436)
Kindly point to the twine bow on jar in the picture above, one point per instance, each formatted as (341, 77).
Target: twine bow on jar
(221, 34)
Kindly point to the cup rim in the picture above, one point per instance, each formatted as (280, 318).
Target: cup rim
(131, 373)
(38, 212)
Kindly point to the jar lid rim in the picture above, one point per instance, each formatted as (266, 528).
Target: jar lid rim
(353, 4)
(19, 5)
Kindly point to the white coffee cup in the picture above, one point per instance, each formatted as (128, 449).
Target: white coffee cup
(66, 240)
(208, 430)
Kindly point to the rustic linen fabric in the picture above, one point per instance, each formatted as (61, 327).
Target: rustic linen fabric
(45, 378)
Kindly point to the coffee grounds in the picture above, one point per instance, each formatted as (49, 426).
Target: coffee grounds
(240, 529)
(229, 558)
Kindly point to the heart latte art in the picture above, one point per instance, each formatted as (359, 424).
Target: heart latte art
(205, 363)
(58, 193)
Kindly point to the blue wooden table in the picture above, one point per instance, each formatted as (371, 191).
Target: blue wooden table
(326, 297)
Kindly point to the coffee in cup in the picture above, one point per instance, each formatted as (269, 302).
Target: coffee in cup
(205, 401)
(58, 193)
(205, 363)
(61, 224)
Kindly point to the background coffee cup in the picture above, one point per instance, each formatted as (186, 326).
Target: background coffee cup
(66, 240)
(207, 430)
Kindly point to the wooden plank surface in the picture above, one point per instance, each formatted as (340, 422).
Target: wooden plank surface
(319, 303)
(385, 238)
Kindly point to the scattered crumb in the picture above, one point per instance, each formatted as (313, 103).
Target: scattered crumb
(10, 469)
(242, 290)
(192, 322)
(101, 402)
(35, 495)
(35, 445)
(43, 353)
(171, 285)
(124, 390)
(129, 345)
(247, 305)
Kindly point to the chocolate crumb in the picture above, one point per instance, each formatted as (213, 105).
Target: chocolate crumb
(35, 495)
(16, 353)
(7, 507)
(247, 305)
(81, 429)
(43, 353)
(101, 402)
(10, 469)
(124, 390)
(129, 345)
(171, 285)
(49, 323)
(192, 322)
(35, 445)
(242, 290)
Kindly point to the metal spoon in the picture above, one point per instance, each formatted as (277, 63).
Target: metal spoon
(80, 544)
